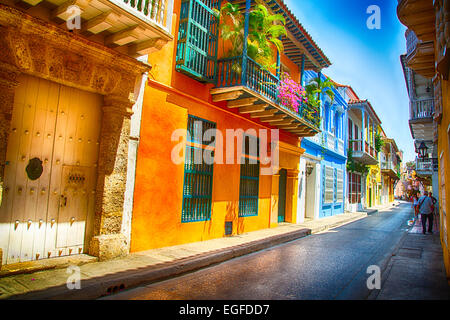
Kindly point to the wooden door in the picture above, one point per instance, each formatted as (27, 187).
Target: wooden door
(282, 196)
(50, 128)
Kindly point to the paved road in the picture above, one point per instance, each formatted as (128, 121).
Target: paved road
(329, 265)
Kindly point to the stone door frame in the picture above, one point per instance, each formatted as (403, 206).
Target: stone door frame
(35, 47)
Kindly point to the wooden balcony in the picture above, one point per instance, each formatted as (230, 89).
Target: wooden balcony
(388, 168)
(366, 155)
(420, 55)
(252, 89)
(424, 167)
(419, 16)
(421, 119)
(132, 27)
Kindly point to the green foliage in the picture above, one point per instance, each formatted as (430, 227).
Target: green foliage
(265, 31)
(379, 143)
(316, 87)
(353, 166)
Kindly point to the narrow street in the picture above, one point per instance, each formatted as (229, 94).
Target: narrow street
(328, 265)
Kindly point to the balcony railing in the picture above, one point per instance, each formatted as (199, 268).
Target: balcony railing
(231, 72)
(151, 11)
(363, 151)
(330, 141)
(422, 109)
(411, 42)
(370, 150)
(388, 165)
(424, 165)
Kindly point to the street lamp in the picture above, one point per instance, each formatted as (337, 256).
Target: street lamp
(423, 150)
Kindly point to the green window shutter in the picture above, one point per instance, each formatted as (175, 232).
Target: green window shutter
(249, 180)
(198, 175)
(249, 189)
(197, 39)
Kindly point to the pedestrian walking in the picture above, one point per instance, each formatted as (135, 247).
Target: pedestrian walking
(435, 209)
(426, 210)
(415, 201)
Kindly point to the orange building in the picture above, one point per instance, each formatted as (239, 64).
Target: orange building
(193, 87)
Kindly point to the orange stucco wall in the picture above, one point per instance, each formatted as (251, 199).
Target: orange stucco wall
(169, 97)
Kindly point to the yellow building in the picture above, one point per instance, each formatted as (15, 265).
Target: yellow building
(373, 180)
(428, 56)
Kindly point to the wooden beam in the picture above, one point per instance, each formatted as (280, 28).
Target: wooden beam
(275, 118)
(288, 127)
(147, 47)
(264, 114)
(286, 121)
(232, 95)
(62, 11)
(253, 109)
(98, 24)
(29, 2)
(242, 102)
(123, 37)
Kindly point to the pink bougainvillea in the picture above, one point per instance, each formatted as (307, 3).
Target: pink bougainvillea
(291, 93)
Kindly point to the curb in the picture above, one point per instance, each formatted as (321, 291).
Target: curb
(108, 284)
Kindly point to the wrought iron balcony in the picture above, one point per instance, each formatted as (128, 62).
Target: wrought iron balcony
(247, 85)
(366, 155)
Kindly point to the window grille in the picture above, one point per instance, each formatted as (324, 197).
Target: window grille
(197, 39)
(249, 181)
(198, 175)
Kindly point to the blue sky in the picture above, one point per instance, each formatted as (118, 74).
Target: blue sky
(368, 60)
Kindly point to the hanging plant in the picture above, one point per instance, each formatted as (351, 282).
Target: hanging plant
(353, 166)
(290, 93)
(265, 31)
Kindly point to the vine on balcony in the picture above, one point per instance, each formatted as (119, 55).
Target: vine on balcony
(353, 166)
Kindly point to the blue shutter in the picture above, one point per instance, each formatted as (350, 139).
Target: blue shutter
(197, 39)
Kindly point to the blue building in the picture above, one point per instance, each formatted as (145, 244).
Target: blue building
(322, 179)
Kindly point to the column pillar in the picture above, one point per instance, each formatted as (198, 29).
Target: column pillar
(108, 241)
(8, 85)
(363, 129)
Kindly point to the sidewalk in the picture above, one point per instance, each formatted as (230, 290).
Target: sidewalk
(108, 277)
(416, 269)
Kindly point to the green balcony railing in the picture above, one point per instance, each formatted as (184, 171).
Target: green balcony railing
(233, 72)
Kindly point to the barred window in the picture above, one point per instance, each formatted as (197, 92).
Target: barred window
(198, 175)
(329, 185)
(354, 188)
(249, 181)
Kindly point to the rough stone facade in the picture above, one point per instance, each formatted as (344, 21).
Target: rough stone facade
(31, 46)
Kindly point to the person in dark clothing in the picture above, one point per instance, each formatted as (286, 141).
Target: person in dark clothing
(426, 211)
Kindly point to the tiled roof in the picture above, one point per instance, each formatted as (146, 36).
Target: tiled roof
(354, 102)
(299, 32)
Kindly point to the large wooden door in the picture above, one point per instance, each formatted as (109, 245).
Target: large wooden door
(50, 173)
